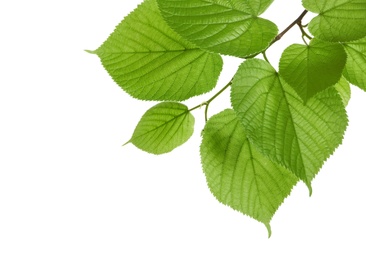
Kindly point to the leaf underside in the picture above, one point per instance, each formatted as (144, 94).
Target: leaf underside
(163, 128)
(338, 20)
(237, 174)
(230, 27)
(150, 61)
(310, 69)
(300, 137)
(355, 70)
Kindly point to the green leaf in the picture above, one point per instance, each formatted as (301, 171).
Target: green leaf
(312, 68)
(338, 20)
(300, 137)
(163, 128)
(237, 174)
(229, 27)
(152, 62)
(355, 70)
(344, 90)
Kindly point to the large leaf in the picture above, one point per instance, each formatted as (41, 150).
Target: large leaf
(152, 62)
(229, 27)
(355, 70)
(338, 20)
(237, 174)
(312, 68)
(163, 127)
(300, 137)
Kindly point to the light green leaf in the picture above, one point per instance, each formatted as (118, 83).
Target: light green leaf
(355, 70)
(152, 62)
(237, 174)
(163, 128)
(300, 137)
(312, 68)
(229, 27)
(344, 90)
(338, 20)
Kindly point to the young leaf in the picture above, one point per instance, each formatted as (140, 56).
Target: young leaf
(163, 128)
(237, 174)
(300, 137)
(355, 70)
(338, 20)
(312, 68)
(344, 90)
(229, 27)
(152, 62)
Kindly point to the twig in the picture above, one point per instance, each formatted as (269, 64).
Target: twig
(298, 21)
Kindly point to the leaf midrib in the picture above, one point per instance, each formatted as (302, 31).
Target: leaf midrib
(231, 8)
(144, 52)
(165, 123)
(284, 93)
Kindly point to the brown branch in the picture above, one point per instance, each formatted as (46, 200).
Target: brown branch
(277, 38)
(281, 34)
(297, 21)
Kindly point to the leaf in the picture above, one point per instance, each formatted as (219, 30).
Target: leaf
(313, 68)
(355, 70)
(338, 20)
(300, 137)
(230, 27)
(237, 174)
(152, 62)
(344, 90)
(163, 128)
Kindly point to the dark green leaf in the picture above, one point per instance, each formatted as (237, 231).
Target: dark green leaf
(300, 137)
(312, 68)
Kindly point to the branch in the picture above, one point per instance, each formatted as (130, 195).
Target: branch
(297, 21)
(277, 38)
(281, 34)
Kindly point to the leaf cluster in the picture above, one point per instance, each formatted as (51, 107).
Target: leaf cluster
(282, 126)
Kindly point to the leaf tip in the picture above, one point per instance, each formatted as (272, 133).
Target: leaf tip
(91, 52)
(268, 226)
(129, 141)
(310, 189)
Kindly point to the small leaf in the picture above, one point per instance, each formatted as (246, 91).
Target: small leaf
(229, 27)
(338, 20)
(344, 90)
(152, 62)
(237, 174)
(313, 68)
(300, 137)
(163, 128)
(355, 70)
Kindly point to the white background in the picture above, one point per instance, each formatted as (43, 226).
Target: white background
(69, 190)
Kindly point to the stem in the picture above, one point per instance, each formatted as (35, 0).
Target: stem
(303, 39)
(281, 34)
(218, 93)
(297, 21)
(207, 103)
(304, 34)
